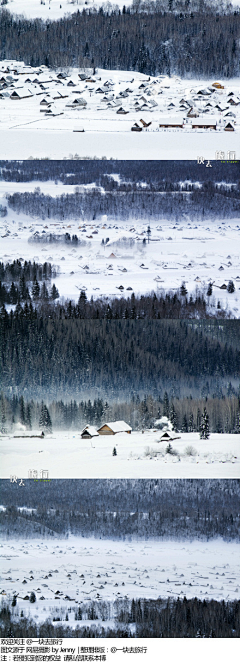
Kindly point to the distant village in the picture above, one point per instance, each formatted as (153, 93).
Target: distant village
(144, 103)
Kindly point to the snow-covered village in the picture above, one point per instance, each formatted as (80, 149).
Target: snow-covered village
(115, 114)
(117, 558)
(119, 328)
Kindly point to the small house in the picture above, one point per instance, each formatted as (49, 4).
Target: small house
(204, 124)
(229, 127)
(22, 93)
(171, 123)
(114, 428)
(168, 436)
(89, 432)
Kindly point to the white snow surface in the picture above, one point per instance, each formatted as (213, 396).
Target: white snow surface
(66, 455)
(55, 9)
(25, 132)
(181, 250)
(92, 569)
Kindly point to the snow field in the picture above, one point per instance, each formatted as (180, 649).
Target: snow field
(66, 455)
(181, 250)
(70, 573)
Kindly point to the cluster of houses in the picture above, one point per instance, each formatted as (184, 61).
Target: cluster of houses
(171, 105)
(116, 427)
(111, 428)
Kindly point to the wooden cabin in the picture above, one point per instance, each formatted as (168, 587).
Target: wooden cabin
(114, 428)
(204, 124)
(89, 432)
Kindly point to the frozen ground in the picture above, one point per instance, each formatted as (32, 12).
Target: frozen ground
(181, 250)
(28, 128)
(66, 455)
(78, 570)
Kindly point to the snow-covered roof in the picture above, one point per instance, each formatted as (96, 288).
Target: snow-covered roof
(91, 431)
(204, 122)
(118, 426)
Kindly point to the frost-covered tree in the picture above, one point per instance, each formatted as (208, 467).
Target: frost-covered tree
(204, 426)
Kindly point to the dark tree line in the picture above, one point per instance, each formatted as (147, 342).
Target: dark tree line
(123, 509)
(157, 175)
(25, 282)
(127, 202)
(185, 414)
(194, 42)
(181, 618)
(30, 271)
(75, 357)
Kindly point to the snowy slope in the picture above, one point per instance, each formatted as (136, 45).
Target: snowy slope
(194, 252)
(55, 131)
(66, 455)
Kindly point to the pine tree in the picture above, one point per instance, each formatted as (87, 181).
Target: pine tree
(114, 451)
(54, 294)
(32, 597)
(44, 292)
(28, 417)
(183, 290)
(22, 410)
(209, 290)
(45, 422)
(191, 423)
(185, 424)
(35, 289)
(165, 405)
(204, 427)
(3, 416)
(173, 417)
(231, 287)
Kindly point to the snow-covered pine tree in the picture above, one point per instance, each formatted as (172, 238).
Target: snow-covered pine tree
(45, 422)
(204, 426)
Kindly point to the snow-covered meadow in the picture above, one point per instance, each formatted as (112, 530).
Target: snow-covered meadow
(66, 455)
(73, 572)
(60, 117)
(194, 252)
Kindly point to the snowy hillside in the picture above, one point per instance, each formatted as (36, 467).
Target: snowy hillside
(66, 455)
(116, 114)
